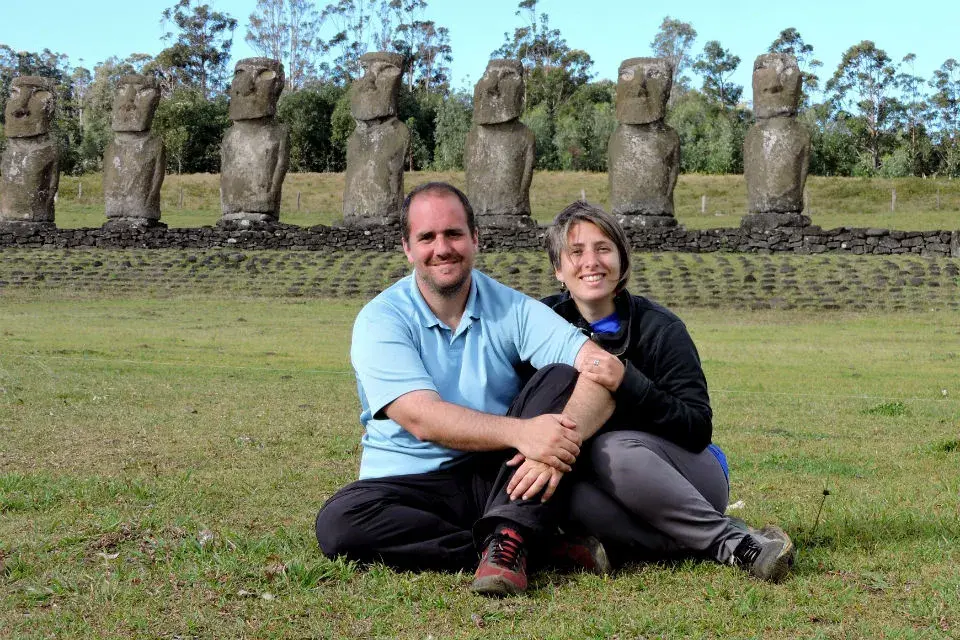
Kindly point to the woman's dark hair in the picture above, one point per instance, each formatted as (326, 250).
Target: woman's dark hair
(581, 211)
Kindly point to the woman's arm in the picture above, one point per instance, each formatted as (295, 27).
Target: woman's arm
(674, 404)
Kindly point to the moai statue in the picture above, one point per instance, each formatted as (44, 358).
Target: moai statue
(644, 153)
(377, 148)
(134, 162)
(256, 150)
(776, 150)
(499, 151)
(30, 164)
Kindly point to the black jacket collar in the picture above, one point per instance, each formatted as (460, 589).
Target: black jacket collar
(615, 343)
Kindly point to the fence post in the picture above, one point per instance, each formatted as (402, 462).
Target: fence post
(893, 200)
(703, 204)
(180, 202)
(298, 202)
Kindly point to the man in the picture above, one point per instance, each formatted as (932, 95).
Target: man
(435, 358)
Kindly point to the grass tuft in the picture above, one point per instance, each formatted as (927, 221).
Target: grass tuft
(889, 409)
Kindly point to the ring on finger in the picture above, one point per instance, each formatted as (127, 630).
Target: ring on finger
(596, 363)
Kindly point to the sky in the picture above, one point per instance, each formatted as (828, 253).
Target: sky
(609, 30)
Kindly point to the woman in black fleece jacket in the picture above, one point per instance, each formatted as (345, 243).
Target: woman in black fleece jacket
(650, 484)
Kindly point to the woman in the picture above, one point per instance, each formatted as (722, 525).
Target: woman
(650, 484)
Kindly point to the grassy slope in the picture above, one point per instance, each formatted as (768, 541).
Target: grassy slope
(161, 459)
(834, 202)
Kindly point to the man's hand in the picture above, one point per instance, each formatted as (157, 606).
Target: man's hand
(551, 438)
(531, 477)
(605, 369)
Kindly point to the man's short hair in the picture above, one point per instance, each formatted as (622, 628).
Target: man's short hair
(436, 188)
(581, 211)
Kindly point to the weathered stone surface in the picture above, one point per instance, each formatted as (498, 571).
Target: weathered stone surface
(643, 154)
(644, 161)
(643, 87)
(135, 103)
(776, 85)
(776, 155)
(377, 148)
(134, 162)
(776, 150)
(374, 95)
(255, 151)
(30, 107)
(133, 170)
(29, 167)
(373, 189)
(30, 176)
(498, 96)
(499, 150)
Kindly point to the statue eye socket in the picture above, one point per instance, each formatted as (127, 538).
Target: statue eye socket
(266, 74)
(627, 75)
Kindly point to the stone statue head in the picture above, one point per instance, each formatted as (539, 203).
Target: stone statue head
(30, 107)
(375, 94)
(135, 103)
(643, 86)
(776, 85)
(255, 89)
(498, 96)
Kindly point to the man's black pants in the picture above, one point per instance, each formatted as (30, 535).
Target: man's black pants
(438, 520)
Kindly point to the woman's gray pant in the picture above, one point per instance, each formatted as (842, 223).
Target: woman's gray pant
(647, 498)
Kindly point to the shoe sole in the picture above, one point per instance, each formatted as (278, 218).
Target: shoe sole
(783, 563)
(495, 586)
(603, 566)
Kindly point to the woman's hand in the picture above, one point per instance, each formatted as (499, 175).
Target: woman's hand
(605, 369)
(531, 477)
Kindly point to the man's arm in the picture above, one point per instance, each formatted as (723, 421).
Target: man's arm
(589, 407)
(551, 439)
(591, 404)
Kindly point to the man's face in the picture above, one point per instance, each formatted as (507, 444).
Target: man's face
(776, 86)
(29, 109)
(642, 90)
(498, 96)
(440, 246)
(375, 94)
(253, 92)
(135, 104)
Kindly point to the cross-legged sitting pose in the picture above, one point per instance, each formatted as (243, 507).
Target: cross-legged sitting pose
(649, 485)
(435, 356)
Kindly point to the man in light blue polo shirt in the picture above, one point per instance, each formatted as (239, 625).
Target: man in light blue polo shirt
(435, 358)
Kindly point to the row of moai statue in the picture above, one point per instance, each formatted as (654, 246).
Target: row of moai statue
(643, 151)
(255, 152)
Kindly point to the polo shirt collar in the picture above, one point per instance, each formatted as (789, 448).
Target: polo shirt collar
(429, 319)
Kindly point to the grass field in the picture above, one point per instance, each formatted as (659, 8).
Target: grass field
(921, 204)
(171, 421)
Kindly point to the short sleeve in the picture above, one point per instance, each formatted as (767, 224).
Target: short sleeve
(386, 356)
(545, 337)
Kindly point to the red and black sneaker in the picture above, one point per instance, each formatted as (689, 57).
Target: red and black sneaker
(503, 567)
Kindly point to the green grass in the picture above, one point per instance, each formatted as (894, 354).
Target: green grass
(834, 202)
(163, 452)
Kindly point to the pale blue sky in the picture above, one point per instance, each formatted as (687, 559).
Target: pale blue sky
(609, 30)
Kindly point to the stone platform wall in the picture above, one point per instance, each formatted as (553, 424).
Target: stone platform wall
(806, 240)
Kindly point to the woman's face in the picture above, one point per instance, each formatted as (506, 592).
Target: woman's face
(590, 264)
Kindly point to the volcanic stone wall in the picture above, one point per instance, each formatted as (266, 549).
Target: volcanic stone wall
(798, 240)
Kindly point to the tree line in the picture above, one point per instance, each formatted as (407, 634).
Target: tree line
(873, 116)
